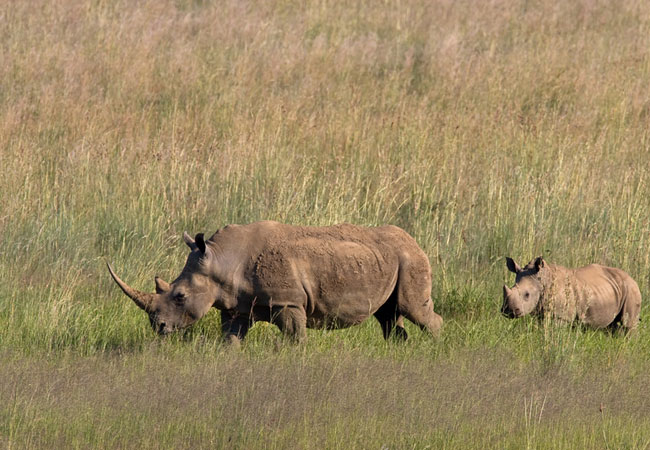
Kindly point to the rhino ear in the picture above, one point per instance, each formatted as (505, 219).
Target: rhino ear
(200, 243)
(539, 263)
(512, 265)
(162, 286)
(189, 241)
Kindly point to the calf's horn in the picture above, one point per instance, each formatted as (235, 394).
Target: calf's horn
(142, 299)
(506, 291)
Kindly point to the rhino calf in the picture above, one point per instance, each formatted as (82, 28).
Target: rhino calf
(296, 277)
(594, 295)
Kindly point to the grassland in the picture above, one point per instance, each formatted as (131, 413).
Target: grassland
(485, 129)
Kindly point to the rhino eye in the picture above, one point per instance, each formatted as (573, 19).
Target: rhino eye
(526, 295)
(179, 297)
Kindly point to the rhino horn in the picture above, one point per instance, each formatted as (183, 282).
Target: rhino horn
(143, 299)
(506, 291)
(161, 286)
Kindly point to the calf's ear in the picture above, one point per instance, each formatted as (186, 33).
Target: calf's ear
(512, 265)
(539, 263)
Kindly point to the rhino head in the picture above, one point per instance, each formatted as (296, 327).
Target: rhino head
(178, 305)
(523, 298)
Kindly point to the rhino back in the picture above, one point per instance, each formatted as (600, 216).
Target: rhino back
(606, 290)
(340, 274)
(593, 294)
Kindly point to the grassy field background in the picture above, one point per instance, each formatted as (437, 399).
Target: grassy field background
(485, 129)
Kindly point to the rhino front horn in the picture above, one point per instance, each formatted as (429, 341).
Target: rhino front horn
(506, 291)
(143, 299)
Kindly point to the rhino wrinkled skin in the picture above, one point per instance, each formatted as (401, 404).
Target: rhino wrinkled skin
(296, 277)
(594, 295)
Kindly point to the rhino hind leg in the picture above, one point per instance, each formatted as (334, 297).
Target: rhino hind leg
(292, 321)
(390, 325)
(629, 317)
(422, 314)
(390, 319)
(400, 331)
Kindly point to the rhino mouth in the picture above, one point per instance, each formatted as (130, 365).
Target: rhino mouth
(163, 331)
(511, 313)
(507, 309)
(161, 328)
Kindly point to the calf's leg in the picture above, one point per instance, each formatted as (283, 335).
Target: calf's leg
(631, 311)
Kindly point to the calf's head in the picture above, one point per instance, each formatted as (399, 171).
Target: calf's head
(179, 304)
(524, 297)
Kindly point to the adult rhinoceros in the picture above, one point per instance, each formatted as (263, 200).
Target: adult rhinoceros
(594, 295)
(296, 277)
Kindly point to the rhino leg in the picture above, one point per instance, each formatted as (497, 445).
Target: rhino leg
(400, 331)
(631, 312)
(629, 316)
(390, 319)
(292, 321)
(234, 327)
(413, 289)
(422, 314)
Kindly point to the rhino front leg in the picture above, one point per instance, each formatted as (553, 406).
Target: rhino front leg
(234, 327)
(292, 321)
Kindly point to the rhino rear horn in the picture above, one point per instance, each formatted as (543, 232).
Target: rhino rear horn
(144, 300)
(161, 286)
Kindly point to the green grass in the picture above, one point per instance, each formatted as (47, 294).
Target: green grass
(513, 128)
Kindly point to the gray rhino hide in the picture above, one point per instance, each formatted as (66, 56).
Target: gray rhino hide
(595, 295)
(297, 277)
